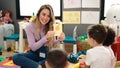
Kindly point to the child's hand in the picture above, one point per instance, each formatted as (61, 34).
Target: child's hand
(61, 37)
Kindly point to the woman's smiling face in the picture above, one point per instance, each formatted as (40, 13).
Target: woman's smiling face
(44, 16)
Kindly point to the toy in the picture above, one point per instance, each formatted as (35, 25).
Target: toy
(82, 56)
(32, 17)
(0, 49)
(57, 28)
(13, 48)
(73, 58)
(76, 65)
(82, 65)
(26, 19)
(79, 53)
(2, 59)
(1, 21)
(83, 46)
(79, 65)
(0, 15)
(7, 16)
(83, 38)
(113, 18)
(75, 33)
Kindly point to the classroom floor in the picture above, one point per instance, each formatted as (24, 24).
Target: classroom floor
(8, 54)
(11, 53)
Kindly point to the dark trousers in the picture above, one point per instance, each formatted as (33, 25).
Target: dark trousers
(31, 59)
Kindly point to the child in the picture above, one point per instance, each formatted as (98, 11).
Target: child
(107, 43)
(56, 59)
(6, 14)
(98, 56)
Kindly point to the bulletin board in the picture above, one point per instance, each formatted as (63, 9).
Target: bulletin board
(88, 11)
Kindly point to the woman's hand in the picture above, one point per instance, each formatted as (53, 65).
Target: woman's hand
(61, 37)
(50, 34)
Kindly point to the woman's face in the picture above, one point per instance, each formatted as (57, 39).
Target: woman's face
(44, 16)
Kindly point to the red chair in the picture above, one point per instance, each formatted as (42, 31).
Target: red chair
(116, 48)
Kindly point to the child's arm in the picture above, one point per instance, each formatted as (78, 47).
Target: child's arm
(83, 65)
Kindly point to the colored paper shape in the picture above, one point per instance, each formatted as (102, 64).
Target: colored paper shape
(58, 29)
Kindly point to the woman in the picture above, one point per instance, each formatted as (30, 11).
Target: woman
(40, 37)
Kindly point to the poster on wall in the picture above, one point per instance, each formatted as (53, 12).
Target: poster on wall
(90, 3)
(90, 17)
(72, 4)
(71, 17)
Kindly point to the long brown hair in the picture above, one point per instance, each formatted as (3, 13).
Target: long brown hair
(48, 26)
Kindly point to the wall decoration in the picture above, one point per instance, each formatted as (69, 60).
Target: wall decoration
(90, 3)
(90, 17)
(71, 17)
(72, 4)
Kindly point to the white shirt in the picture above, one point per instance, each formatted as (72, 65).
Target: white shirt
(99, 57)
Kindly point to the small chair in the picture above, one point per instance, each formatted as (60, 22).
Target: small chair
(9, 35)
(12, 37)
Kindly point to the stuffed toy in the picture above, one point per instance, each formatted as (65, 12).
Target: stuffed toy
(113, 18)
(7, 16)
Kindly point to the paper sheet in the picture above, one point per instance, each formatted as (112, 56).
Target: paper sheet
(72, 3)
(90, 17)
(58, 29)
(71, 17)
(90, 3)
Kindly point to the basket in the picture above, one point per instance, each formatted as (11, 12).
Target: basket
(82, 46)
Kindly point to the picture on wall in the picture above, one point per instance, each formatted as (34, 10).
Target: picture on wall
(90, 3)
(90, 17)
(72, 4)
(71, 17)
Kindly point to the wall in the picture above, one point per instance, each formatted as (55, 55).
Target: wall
(10, 5)
(67, 28)
(89, 14)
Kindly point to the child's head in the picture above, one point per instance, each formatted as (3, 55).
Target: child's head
(6, 13)
(56, 59)
(96, 34)
(110, 37)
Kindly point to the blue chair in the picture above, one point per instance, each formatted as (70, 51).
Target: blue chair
(69, 39)
(14, 37)
(10, 36)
